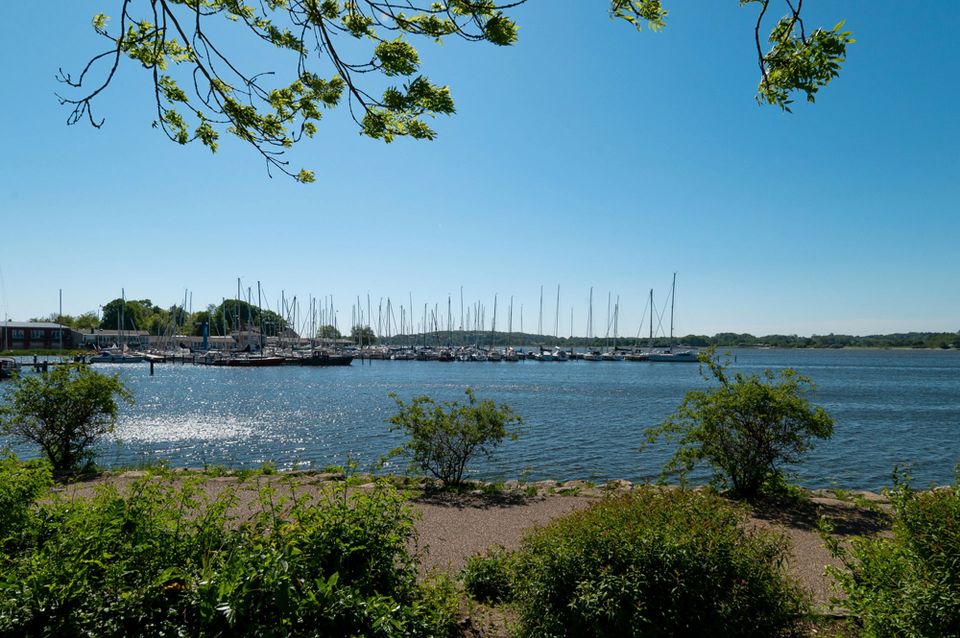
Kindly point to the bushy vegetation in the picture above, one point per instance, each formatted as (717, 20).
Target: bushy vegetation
(746, 429)
(655, 563)
(21, 484)
(488, 577)
(443, 438)
(908, 586)
(65, 412)
(160, 559)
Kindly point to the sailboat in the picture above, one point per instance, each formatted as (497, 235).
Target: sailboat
(121, 353)
(670, 355)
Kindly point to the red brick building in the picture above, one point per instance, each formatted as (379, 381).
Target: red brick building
(16, 335)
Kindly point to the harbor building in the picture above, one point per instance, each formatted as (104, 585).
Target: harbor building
(34, 335)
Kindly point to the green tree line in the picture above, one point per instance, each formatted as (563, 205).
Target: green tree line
(143, 314)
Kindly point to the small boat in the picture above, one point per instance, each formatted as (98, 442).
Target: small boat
(593, 355)
(560, 355)
(427, 354)
(8, 367)
(115, 355)
(323, 357)
(674, 356)
(612, 356)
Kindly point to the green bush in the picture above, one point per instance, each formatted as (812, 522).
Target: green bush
(487, 577)
(64, 412)
(747, 428)
(908, 585)
(655, 563)
(21, 484)
(163, 560)
(445, 437)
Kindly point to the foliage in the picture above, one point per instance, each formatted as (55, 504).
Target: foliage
(908, 585)
(363, 335)
(488, 577)
(201, 88)
(655, 563)
(746, 428)
(86, 321)
(65, 411)
(797, 61)
(223, 318)
(163, 560)
(328, 332)
(21, 484)
(444, 438)
(131, 315)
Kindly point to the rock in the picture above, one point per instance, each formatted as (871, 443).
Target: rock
(618, 484)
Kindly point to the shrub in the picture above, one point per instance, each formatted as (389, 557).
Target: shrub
(445, 437)
(65, 412)
(655, 563)
(164, 560)
(746, 429)
(908, 585)
(21, 484)
(487, 577)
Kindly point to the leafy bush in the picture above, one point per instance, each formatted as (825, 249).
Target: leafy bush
(163, 560)
(21, 484)
(908, 585)
(445, 437)
(655, 563)
(65, 412)
(487, 577)
(746, 429)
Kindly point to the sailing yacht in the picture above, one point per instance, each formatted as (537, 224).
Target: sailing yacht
(670, 355)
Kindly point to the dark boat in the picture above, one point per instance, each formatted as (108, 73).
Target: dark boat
(8, 366)
(326, 358)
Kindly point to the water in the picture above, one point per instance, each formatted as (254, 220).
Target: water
(582, 419)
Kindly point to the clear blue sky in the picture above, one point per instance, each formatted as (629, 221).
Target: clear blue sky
(586, 155)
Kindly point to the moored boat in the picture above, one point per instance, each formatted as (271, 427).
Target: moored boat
(8, 366)
(323, 357)
(115, 356)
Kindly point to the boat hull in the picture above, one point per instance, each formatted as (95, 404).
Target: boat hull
(327, 360)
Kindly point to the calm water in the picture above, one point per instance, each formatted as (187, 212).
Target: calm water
(583, 419)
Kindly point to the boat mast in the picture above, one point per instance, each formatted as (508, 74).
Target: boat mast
(650, 343)
(123, 303)
(556, 316)
(540, 320)
(590, 318)
(260, 314)
(673, 292)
